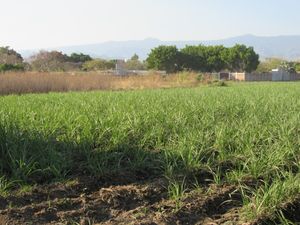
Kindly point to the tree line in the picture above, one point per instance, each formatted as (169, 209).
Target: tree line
(55, 61)
(272, 63)
(199, 58)
(238, 58)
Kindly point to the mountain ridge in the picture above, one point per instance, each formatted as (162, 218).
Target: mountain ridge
(281, 46)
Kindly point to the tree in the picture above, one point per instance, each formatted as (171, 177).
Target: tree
(297, 66)
(98, 64)
(288, 66)
(251, 60)
(218, 58)
(134, 63)
(194, 58)
(79, 58)
(268, 64)
(276, 63)
(242, 58)
(135, 57)
(204, 58)
(10, 56)
(165, 58)
(46, 61)
(215, 58)
(10, 60)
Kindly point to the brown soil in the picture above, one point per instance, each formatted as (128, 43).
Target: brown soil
(88, 201)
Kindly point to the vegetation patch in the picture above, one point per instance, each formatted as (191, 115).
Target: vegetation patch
(187, 156)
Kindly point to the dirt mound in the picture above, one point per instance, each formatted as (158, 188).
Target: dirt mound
(94, 202)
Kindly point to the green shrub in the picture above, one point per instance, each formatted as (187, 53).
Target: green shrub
(11, 67)
(200, 77)
(218, 83)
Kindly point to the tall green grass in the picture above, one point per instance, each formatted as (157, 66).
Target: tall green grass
(236, 134)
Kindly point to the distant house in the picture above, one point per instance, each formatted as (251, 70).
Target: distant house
(121, 68)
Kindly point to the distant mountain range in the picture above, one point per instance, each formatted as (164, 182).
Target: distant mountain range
(287, 47)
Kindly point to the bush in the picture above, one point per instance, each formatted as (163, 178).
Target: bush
(200, 77)
(11, 67)
(98, 64)
(218, 83)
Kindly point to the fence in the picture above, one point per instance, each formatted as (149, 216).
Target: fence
(272, 76)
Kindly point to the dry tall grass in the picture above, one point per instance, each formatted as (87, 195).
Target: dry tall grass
(30, 82)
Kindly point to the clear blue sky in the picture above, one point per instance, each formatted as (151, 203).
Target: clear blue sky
(29, 24)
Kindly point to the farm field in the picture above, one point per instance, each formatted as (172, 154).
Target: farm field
(204, 155)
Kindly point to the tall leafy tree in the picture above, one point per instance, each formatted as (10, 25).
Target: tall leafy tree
(134, 63)
(215, 58)
(242, 58)
(218, 58)
(79, 58)
(135, 57)
(165, 58)
(194, 57)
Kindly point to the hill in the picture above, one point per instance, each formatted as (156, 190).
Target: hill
(287, 47)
